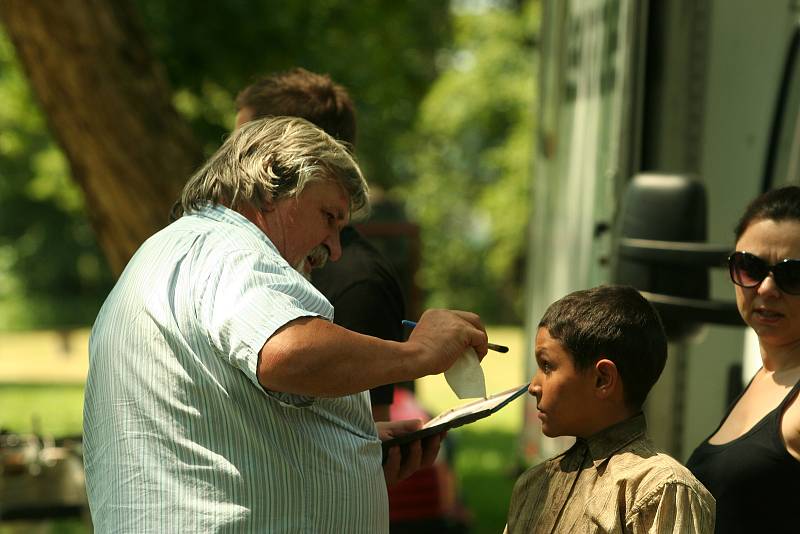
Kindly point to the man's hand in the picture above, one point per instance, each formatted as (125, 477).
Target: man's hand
(442, 336)
(403, 463)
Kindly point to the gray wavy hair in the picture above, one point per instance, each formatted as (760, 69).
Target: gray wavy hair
(274, 158)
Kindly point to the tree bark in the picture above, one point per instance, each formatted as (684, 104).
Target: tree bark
(109, 107)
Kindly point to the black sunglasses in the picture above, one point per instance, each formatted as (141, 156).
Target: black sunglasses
(748, 270)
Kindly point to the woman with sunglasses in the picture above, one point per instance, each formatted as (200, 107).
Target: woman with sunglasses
(751, 463)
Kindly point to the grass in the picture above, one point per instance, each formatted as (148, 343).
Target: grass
(49, 409)
(36, 312)
(486, 467)
(41, 389)
(60, 526)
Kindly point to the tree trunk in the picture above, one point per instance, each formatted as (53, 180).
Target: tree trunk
(109, 107)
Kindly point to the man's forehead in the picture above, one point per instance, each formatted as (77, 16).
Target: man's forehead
(337, 196)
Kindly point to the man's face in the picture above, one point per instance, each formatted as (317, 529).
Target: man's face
(305, 229)
(564, 395)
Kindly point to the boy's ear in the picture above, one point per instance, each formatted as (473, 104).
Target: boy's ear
(607, 379)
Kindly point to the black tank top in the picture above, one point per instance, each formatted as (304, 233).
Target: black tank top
(754, 479)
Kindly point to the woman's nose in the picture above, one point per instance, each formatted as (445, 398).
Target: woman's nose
(768, 285)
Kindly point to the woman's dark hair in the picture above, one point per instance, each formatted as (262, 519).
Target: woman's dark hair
(613, 322)
(781, 204)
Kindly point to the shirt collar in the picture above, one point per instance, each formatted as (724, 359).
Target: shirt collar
(604, 444)
(218, 212)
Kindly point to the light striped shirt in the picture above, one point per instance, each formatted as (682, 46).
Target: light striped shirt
(178, 434)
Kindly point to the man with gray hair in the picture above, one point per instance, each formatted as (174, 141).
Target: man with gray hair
(220, 397)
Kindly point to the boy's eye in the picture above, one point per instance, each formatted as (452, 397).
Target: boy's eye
(545, 367)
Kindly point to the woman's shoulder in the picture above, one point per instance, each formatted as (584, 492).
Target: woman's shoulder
(790, 422)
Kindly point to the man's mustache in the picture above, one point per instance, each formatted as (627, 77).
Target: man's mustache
(319, 256)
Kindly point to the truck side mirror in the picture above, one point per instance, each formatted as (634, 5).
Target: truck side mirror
(661, 251)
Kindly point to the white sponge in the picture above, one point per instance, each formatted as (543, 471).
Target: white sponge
(465, 376)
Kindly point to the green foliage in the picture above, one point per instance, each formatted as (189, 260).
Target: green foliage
(48, 253)
(444, 92)
(382, 51)
(472, 146)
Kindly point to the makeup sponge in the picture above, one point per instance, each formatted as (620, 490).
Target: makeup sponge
(465, 376)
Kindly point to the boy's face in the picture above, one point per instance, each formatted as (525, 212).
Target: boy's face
(564, 395)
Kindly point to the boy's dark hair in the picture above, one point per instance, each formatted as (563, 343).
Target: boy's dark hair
(304, 94)
(780, 204)
(616, 323)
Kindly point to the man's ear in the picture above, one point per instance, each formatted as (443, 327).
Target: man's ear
(607, 379)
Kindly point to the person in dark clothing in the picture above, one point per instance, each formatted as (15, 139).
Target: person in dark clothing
(362, 286)
(751, 462)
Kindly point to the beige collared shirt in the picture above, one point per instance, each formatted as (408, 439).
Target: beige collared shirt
(613, 482)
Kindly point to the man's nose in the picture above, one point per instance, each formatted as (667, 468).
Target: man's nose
(334, 246)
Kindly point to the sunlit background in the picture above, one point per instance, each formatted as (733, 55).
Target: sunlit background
(500, 138)
(445, 95)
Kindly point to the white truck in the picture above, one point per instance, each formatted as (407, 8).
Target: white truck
(658, 121)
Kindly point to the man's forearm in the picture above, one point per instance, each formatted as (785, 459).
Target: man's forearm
(310, 356)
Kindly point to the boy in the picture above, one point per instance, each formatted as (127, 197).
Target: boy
(599, 351)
